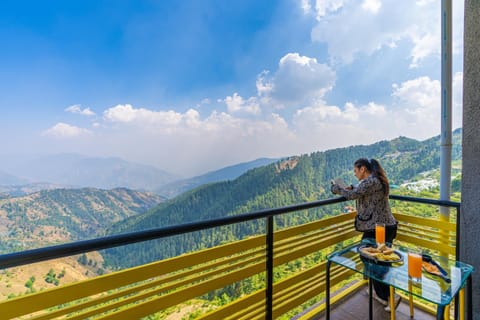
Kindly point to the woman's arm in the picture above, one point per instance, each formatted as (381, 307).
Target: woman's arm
(365, 187)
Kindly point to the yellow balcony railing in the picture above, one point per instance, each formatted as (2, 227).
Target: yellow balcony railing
(148, 289)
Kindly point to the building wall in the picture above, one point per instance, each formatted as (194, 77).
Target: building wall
(470, 214)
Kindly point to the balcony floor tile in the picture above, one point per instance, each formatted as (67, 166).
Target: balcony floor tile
(355, 307)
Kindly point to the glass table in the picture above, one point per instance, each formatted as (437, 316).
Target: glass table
(430, 288)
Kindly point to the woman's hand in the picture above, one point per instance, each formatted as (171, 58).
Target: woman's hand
(335, 188)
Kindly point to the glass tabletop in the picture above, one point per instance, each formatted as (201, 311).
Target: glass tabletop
(431, 287)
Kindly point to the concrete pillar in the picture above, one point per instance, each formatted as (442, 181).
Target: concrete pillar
(470, 213)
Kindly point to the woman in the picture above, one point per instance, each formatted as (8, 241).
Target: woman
(372, 207)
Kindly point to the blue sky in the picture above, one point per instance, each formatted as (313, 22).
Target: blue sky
(195, 85)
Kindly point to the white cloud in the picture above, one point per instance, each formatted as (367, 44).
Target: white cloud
(422, 92)
(264, 87)
(424, 45)
(76, 108)
(415, 112)
(322, 7)
(418, 107)
(351, 112)
(205, 101)
(374, 109)
(122, 113)
(353, 27)
(192, 144)
(330, 126)
(299, 80)
(64, 130)
(305, 5)
(167, 121)
(372, 6)
(236, 104)
(353, 30)
(320, 115)
(185, 124)
(324, 127)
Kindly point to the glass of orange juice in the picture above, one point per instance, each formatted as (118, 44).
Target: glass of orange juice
(380, 233)
(415, 264)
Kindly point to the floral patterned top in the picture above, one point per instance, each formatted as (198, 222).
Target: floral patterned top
(372, 204)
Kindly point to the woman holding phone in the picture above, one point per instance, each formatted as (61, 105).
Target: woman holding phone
(371, 195)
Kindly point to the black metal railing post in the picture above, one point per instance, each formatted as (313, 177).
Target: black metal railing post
(269, 268)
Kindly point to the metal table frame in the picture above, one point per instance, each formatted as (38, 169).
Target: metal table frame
(465, 283)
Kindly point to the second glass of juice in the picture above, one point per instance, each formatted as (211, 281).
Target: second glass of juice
(415, 264)
(380, 233)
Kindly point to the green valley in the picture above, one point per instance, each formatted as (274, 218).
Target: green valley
(62, 215)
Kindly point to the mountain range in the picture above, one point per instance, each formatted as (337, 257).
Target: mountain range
(287, 181)
(24, 175)
(77, 171)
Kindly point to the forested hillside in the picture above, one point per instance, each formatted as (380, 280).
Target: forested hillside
(289, 181)
(62, 215)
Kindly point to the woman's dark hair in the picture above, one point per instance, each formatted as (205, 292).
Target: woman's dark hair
(374, 167)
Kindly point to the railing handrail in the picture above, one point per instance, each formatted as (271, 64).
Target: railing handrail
(78, 247)
(68, 249)
(444, 203)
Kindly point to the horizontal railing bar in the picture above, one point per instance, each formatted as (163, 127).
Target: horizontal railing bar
(69, 249)
(444, 203)
(63, 250)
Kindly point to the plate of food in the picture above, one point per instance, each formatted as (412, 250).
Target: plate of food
(431, 266)
(382, 253)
